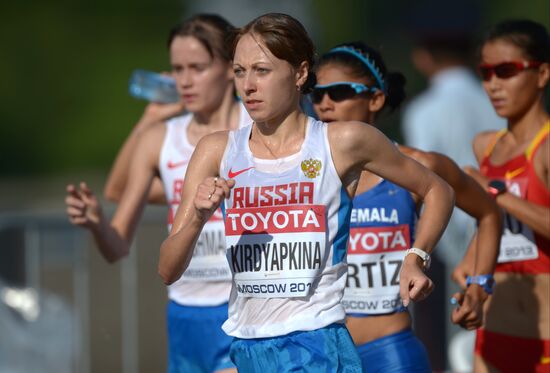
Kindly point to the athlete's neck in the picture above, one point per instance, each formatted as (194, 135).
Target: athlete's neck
(526, 126)
(281, 136)
(223, 117)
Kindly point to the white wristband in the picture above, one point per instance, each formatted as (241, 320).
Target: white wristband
(422, 254)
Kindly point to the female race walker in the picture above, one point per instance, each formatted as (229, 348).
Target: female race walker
(286, 183)
(514, 168)
(354, 84)
(200, 57)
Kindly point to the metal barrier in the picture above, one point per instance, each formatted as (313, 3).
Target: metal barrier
(118, 323)
(119, 309)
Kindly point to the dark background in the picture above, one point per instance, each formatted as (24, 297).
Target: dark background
(64, 104)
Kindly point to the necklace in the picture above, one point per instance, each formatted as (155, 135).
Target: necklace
(282, 163)
(260, 137)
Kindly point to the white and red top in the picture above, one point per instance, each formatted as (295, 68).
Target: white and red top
(207, 280)
(286, 228)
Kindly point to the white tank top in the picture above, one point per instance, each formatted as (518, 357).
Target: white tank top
(207, 280)
(286, 233)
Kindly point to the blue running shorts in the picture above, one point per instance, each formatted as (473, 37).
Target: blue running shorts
(196, 341)
(395, 353)
(328, 349)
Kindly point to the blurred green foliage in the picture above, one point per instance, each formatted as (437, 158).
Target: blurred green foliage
(64, 73)
(65, 65)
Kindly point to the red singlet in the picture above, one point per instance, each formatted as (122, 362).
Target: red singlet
(521, 249)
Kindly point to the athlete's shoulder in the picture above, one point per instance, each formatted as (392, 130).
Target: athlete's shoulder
(152, 136)
(179, 120)
(215, 139)
(148, 147)
(354, 136)
(211, 147)
(540, 153)
(482, 141)
(350, 131)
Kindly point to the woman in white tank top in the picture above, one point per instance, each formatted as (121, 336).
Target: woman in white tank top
(200, 58)
(285, 184)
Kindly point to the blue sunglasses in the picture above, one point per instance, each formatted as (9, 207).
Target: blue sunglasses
(339, 91)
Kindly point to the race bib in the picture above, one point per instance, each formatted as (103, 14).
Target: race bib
(375, 257)
(276, 252)
(517, 242)
(209, 262)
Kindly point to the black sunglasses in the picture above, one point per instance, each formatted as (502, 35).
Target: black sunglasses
(339, 91)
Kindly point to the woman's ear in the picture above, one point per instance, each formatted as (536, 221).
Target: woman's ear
(544, 75)
(230, 72)
(377, 101)
(301, 74)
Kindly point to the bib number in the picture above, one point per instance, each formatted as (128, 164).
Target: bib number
(276, 252)
(372, 285)
(209, 262)
(517, 242)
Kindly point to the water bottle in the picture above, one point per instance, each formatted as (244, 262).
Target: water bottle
(153, 87)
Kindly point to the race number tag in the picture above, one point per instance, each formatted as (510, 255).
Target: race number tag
(276, 252)
(209, 262)
(517, 242)
(375, 257)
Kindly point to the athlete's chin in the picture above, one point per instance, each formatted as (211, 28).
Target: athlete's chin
(258, 116)
(503, 112)
(327, 119)
(194, 106)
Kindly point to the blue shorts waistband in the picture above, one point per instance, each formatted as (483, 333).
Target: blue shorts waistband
(389, 339)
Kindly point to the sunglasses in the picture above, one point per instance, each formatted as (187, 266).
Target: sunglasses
(339, 91)
(505, 70)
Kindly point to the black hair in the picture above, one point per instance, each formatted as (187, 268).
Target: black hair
(394, 82)
(529, 36)
(211, 30)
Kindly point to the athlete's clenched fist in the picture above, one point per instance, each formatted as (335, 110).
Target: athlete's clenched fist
(414, 285)
(210, 195)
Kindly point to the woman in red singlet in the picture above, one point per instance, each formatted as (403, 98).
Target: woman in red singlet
(514, 168)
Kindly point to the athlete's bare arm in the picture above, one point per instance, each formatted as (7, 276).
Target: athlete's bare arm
(203, 192)
(154, 115)
(534, 216)
(356, 147)
(472, 199)
(466, 267)
(113, 237)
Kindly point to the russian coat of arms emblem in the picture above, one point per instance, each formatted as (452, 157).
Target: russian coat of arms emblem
(311, 167)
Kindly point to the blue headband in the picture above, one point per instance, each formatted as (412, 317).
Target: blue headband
(363, 59)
